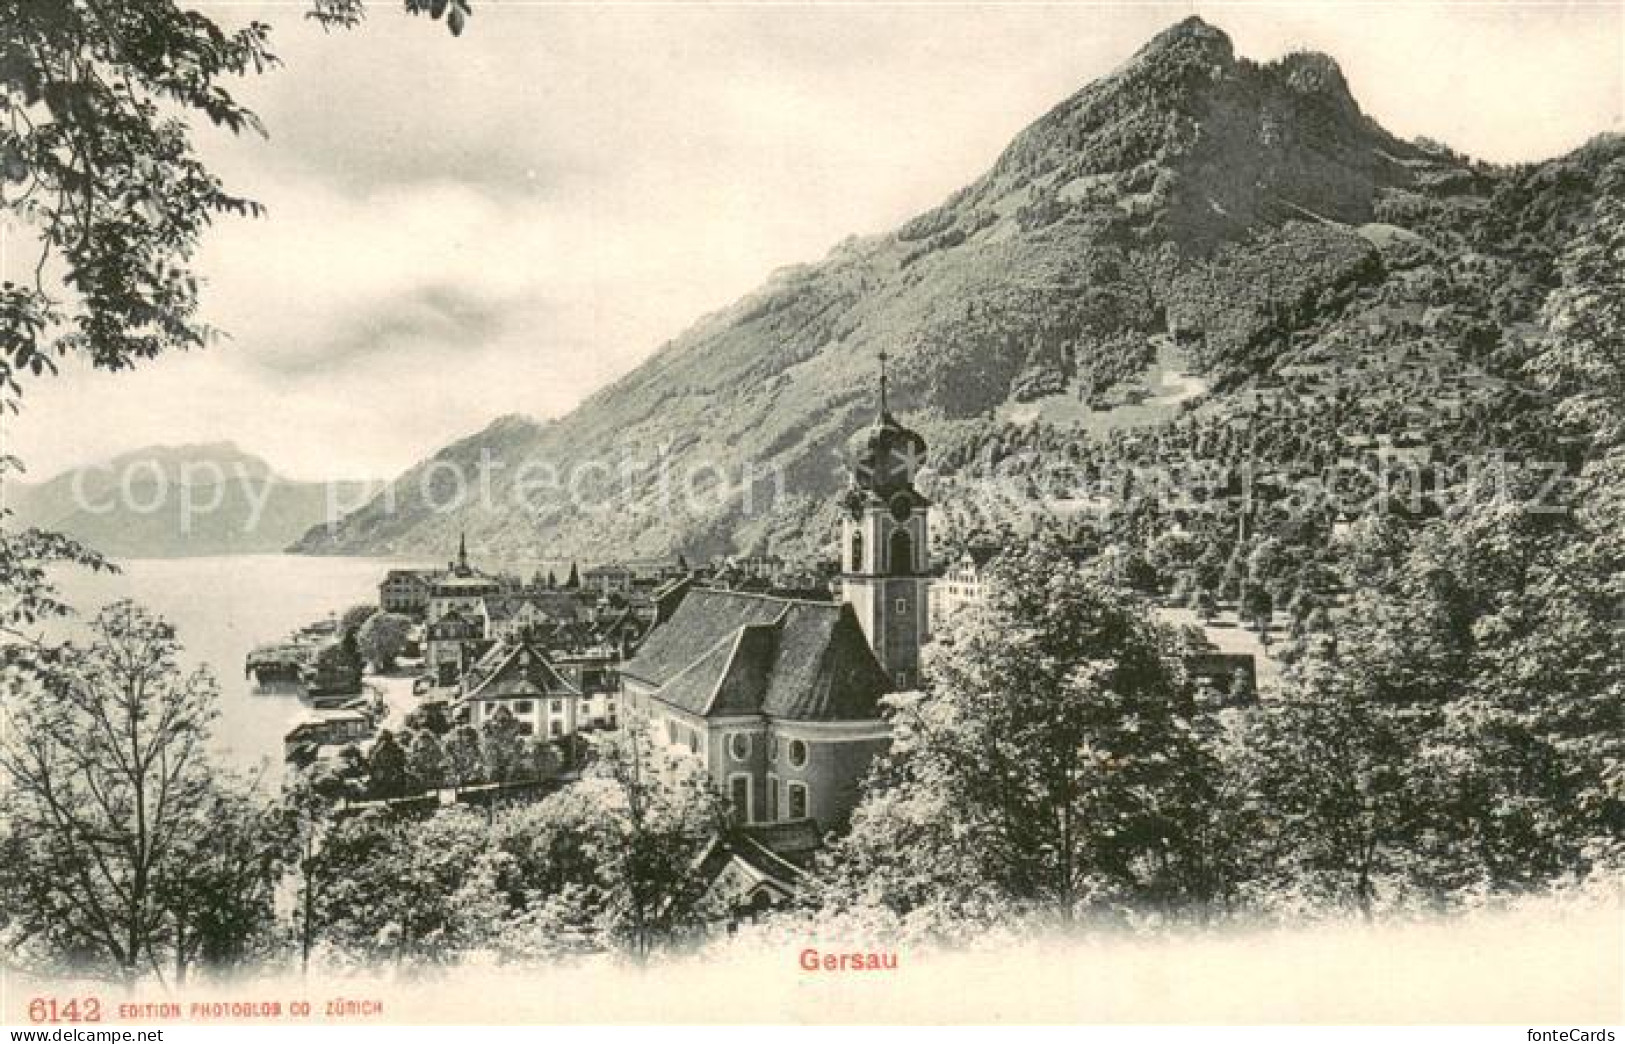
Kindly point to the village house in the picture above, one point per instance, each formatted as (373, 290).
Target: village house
(520, 678)
(752, 869)
(452, 643)
(607, 580)
(322, 732)
(335, 670)
(507, 617)
(961, 583)
(597, 678)
(406, 591)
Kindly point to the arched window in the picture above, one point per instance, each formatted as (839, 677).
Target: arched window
(902, 553)
(857, 551)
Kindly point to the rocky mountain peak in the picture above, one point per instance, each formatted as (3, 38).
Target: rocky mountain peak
(1188, 41)
(1192, 201)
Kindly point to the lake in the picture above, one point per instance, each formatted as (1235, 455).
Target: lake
(222, 608)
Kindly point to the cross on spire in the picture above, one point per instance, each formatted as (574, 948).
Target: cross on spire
(883, 409)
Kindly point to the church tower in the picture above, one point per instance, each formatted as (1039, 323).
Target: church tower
(885, 545)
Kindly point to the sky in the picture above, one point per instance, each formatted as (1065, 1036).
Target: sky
(461, 228)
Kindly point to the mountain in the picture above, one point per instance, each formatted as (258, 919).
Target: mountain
(179, 501)
(1162, 246)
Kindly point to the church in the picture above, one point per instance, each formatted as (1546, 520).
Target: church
(780, 697)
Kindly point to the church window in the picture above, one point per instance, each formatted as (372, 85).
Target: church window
(773, 748)
(798, 753)
(522, 707)
(739, 745)
(798, 801)
(857, 551)
(902, 605)
(772, 798)
(902, 552)
(739, 796)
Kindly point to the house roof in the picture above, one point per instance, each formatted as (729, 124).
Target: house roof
(728, 653)
(472, 584)
(760, 865)
(418, 575)
(452, 620)
(523, 673)
(609, 569)
(794, 841)
(982, 554)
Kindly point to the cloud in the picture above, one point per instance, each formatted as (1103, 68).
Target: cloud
(439, 318)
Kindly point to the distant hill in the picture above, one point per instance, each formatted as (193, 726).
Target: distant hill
(1164, 244)
(178, 501)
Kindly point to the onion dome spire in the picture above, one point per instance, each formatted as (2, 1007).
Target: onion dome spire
(891, 454)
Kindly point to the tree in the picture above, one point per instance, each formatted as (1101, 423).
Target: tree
(573, 581)
(27, 559)
(108, 183)
(356, 615)
(382, 638)
(429, 716)
(99, 171)
(306, 809)
(110, 792)
(96, 166)
(1456, 732)
(465, 761)
(220, 899)
(426, 761)
(407, 892)
(387, 772)
(539, 759)
(628, 837)
(1256, 607)
(339, 666)
(1324, 775)
(1052, 765)
(502, 746)
(1584, 317)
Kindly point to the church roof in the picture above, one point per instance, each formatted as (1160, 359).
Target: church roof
(889, 458)
(729, 653)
